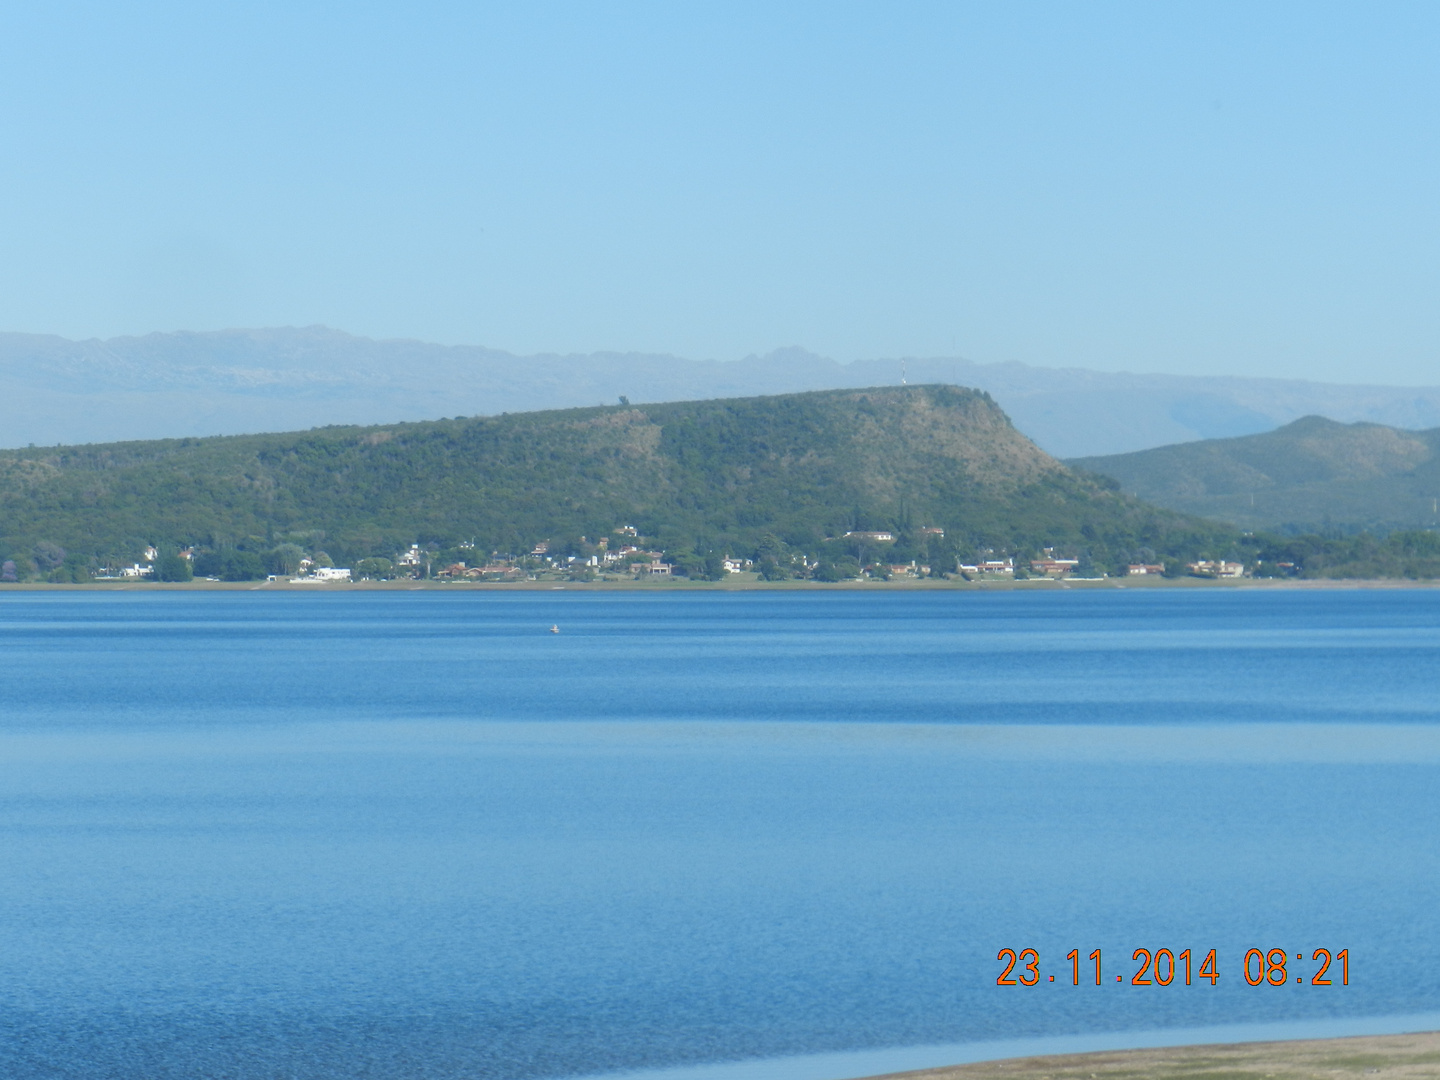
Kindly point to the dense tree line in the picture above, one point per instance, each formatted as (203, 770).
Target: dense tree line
(1410, 554)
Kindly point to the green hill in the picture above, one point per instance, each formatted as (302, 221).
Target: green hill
(700, 477)
(1313, 474)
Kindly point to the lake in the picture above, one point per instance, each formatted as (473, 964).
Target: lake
(261, 835)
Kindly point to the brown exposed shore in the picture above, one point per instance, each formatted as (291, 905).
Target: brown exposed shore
(1381, 1057)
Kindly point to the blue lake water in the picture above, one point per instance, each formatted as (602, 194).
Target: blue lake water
(269, 835)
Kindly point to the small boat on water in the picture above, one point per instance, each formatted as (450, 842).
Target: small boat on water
(555, 629)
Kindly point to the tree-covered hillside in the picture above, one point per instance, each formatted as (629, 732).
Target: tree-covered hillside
(1313, 474)
(800, 470)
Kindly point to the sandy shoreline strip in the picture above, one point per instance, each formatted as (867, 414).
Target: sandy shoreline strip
(1381, 1057)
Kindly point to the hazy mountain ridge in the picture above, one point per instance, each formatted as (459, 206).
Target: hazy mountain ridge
(1314, 473)
(244, 381)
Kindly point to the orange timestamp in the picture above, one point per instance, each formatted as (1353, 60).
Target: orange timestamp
(1166, 967)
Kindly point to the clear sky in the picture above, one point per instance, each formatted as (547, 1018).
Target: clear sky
(1211, 188)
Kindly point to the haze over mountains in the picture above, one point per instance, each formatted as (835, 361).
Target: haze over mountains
(1313, 474)
(244, 381)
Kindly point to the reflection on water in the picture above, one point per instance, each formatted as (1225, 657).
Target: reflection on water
(360, 835)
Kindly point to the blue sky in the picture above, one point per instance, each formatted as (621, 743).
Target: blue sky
(1204, 188)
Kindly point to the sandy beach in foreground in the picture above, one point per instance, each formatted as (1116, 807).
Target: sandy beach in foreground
(1383, 1057)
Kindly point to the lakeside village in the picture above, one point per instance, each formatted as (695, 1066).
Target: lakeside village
(625, 556)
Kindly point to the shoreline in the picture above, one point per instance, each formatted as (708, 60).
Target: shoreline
(1235, 1051)
(1386, 1057)
(685, 585)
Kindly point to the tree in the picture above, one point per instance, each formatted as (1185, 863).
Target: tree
(374, 568)
(208, 564)
(285, 559)
(837, 570)
(241, 566)
(687, 564)
(48, 556)
(770, 570)
(171, 567)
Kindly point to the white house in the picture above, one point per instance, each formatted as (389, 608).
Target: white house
(1217, 568)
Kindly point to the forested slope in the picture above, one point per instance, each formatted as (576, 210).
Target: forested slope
(695, 476)
(1313, 474)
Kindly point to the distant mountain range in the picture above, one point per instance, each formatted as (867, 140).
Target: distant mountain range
(1313, 474)
(242, 381)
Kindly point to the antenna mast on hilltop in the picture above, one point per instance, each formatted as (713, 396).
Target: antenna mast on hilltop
(902, 372)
